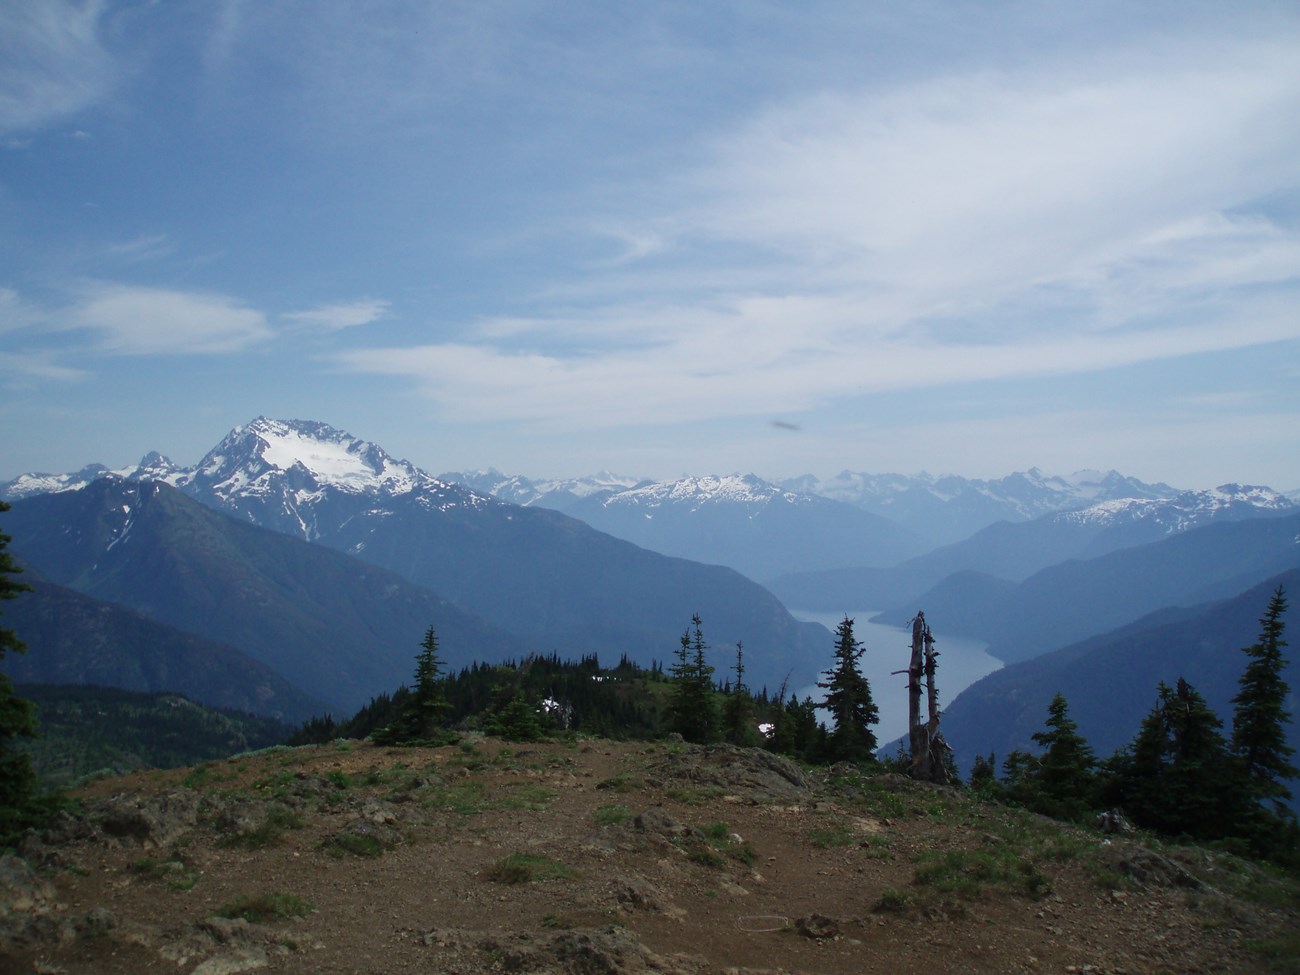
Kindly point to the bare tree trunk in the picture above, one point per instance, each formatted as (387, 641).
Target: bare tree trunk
(936, 768)
(926, 741)
(918, 734)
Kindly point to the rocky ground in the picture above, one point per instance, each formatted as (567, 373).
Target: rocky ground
(601, 858)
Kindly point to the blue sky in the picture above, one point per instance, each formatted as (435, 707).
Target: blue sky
(658, 238)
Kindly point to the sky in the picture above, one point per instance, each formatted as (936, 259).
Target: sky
(657, 238)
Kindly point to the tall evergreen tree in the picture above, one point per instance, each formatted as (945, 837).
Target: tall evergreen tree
(738, 709)
(424, 711)
(848, 698)
(18, 784)
(692, 708)
(1259, 717)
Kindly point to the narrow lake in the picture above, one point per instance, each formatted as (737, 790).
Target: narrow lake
(962, 662)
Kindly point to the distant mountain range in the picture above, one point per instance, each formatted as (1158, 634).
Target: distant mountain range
(333, 626)
(934, 510)
(494, 578)
(1080, 597)
(306, 563)
(1013, 552)
(743, 522)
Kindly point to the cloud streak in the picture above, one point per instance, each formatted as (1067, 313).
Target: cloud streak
(132, 320)
(51, 62)
(336, 317)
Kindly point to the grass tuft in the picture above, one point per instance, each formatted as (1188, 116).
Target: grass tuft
(527, 868)
(263, 908)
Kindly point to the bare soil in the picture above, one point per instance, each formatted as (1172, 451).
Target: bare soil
(599, 858)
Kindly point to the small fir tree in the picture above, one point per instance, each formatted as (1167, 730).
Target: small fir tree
(1061, 781)
(517, 721)
(424, 711)
(1259, 717)
(1067, 766)
(984, 775)
(848, 699)
(692, 708)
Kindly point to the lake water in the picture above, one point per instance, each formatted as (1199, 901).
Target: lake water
(888, 648)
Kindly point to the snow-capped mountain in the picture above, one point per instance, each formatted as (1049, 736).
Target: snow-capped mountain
(747, 523)
(274, 473)
(948, 508)
(1185, 510)
(555, 493)
(552, 581)
(300, 476)
(711, 489)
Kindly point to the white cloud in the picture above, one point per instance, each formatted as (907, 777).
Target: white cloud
(159, 321)
(19, 368)
(990, 180)
(996, 225)
(756, 360)
(51, 61)
(340, 316)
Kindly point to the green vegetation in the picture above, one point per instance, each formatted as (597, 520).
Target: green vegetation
(613, 814)
(20, 798)
(175, 872)
(421, 718)
(1179, 776)
(265, 908)
(85, 730)
(738, 725)
(622, 783)
(693, 707)
(832, 836)
(1061, 782)
(269, 832)
(849, 701)
(966, 874)
(353, 844)
(527, 868)
(1259, 726)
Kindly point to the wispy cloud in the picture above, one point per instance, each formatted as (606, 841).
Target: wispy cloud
(132, 320)
(968, 228)
(22, 369)
(333, 318)
(51, 61)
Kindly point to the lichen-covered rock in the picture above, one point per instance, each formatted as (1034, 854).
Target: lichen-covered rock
(151, 821)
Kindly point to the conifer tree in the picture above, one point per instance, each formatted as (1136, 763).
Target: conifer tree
(1060, 782)
(1176, 776)
(984, 775)
(18, 783)
(425, 709)
(1259, 718)
(692, 709)
(517, 721)
(848, 698)
(1068, 763)
(738, 709)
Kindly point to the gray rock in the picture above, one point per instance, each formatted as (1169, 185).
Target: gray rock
(155, 821)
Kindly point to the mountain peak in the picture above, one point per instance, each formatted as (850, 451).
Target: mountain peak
(317, 454)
